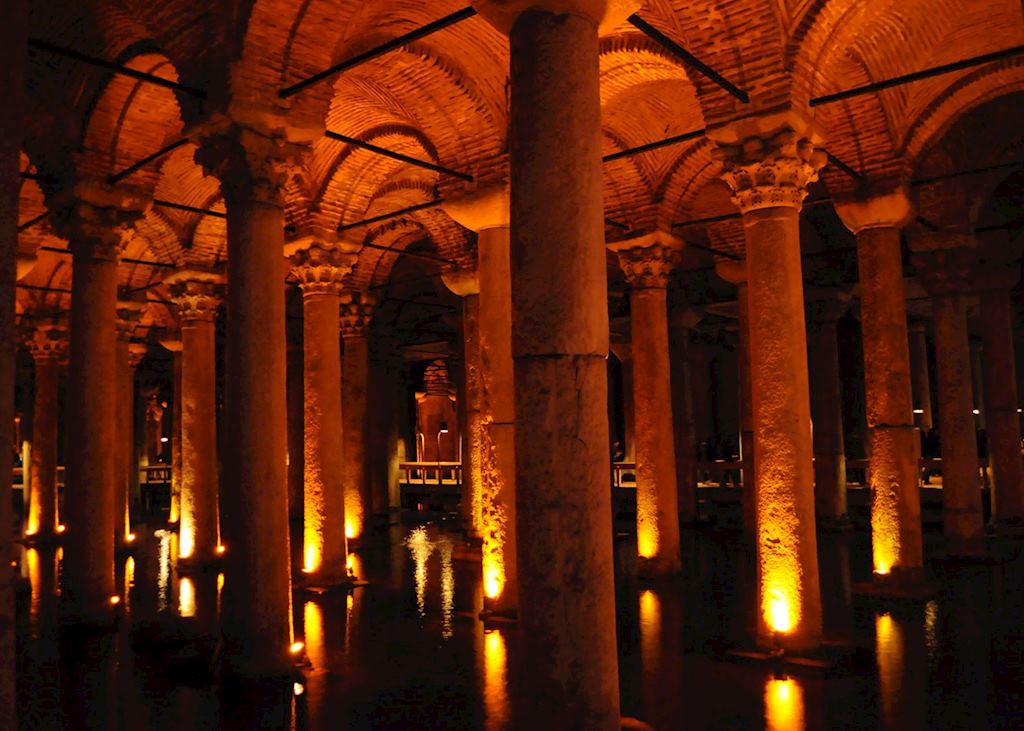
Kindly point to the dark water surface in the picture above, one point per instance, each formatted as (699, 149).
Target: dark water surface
(408, 652)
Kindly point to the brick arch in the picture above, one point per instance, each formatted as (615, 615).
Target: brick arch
(681, 193)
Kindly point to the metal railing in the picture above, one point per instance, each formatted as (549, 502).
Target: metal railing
(431, 473)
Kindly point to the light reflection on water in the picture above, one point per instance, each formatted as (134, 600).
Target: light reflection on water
(495, 681)
(650, 629)
(186, 597)
(163, 577)
(447, 587)
(420, 546)
(129, 582)
(313, 628)
(783, 704)
(889, 642)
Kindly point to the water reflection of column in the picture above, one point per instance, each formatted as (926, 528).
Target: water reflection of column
(313, 634)
(650, 632)
(495, 680)
(420, 547)
(783, 704)
(447, 588)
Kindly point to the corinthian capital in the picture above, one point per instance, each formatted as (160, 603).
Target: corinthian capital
(648, 260)
(356, 313)
(100, 221)
(321, 266)
(48, 342)
(129, 313)
(197, 293)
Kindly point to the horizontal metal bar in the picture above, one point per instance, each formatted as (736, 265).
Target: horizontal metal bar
(403, 252)
(117, 68)
(963, 173)
(39, 177)
(918, 76)
(143, 262)
(711, 219)
(393, 44)
(33, 221)
(844, 167)
(617, 224)
(397, 155)
(188, 209)
(685, 137)
(119, 176)
(393, 214)
(713, 250)
(688, 58)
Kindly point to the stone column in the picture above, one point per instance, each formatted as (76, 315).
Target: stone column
(486, 212)
(198, 294)
(977, 382)
(467, 286)
(1000, 372)
(736, 273)
(624, 352)
(129, 313)
(174, 345)
(647, 264)
(48, 346)
(356, 315)
(826, 407)
(680, 323)
(256, 606)
(920, 380)
(559, 346)
(947, 274)
(892, 438)
(97, 232)
(768, 165)
(320, 266)
(296, 468)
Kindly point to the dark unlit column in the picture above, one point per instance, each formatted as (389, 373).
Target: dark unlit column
(355, 318)
(173, 344)
(680, 323)
(919, 377)
(129, 313)
(48, 346)
(768, 174)
(647, 264)
(198, 294)
(559, 346)
(892, 438)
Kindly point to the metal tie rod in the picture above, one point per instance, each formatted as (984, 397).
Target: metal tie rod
(397, 155)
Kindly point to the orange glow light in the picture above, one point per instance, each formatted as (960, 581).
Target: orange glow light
(61, 528)
(186, 598)
(297, 647)
(129, 538)
(783, 704)
(780, 612)
(114, 600)
(221, 548)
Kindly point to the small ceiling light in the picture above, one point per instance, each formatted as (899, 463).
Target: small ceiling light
(976, 411)
(918, 411)
(164, 440)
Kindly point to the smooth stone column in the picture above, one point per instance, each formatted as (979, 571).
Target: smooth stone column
(736, 273)
(129, 313)
(48, 346)
(946, 273)
(466, 285)
(174, 345)
(96, 237)
(624, 352)
(647, 264)
(356, 315)
(256, 621)
(320, 268)
(198, 294)
(920, 379)
(680, 323)
(559, 347)
(486, 211)
(1001, 407)
(896, 546)
(769, 175)
(296, 468)
(826, 408)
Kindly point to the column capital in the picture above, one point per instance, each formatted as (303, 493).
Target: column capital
(769, 161)
(100, 220)
(947, 272)
(48, 342)
(996, 278)
(480, 209)
(647, 260)
(732, 271)
(136, 352)
(826, 305)
(197, 293)
(320, 266)
(462, 282)
(604, 14)
(891, 209)
(129, 313)
(356, 313)
(917, 326)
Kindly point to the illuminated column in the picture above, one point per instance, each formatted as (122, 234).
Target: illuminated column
(769, 174)
(173, 344)
(920, 380)
(680, 323)
(320, 266)
(96, 236)
(826, 406)
(736, 273)
(486, 212)
(647, 264)
(559, 346)
(198, 294)
(48, 346)
(947, 274)
(296, 468)
(256, 607)
(467, 286)
(129, 313)
(892, 437)
(1001, 408)
(356, 314)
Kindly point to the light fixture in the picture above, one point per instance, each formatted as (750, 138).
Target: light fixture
(298, 688)
(115, 600)
(221, 548)
(918, 411)
(61, 528)
(976, 411)
(164, 440)
(129, 538)
(297, 647)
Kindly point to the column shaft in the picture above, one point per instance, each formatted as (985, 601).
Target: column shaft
(920, 380)
(42, 501)
(125, 447)
(747, 451)
(628, 406)
(296, 469)
(682, 423)
(827, 420)
(355, 366)
(1000, 371)
(174, 515)
(892, 438)
(472, 476)
(560, 342)
(961, 493)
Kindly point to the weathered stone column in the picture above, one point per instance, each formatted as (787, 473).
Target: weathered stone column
(48, 346)
(946, 273)
(198, 294)
(768, 165)
(1000, 371)
(129, 313)
(256, 606)
(680, 323)
(355, 318)
(320, 266)
(920, 380)
(559, 346)
(97, 231)
(486, 212)
(296, 466)
(467, 286)
(892, 438)
(736, 273)
(823, 314)
(647, 264)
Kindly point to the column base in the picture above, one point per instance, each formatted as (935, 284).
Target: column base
(656, 568)
(830, 524)
(88, 620)
(318, 584)
(41, 540)
(829, 659)
(197, 564)
(906, 585)
(499, 617)
(125, 547)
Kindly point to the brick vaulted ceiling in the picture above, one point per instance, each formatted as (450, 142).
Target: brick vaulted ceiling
(443, 98)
